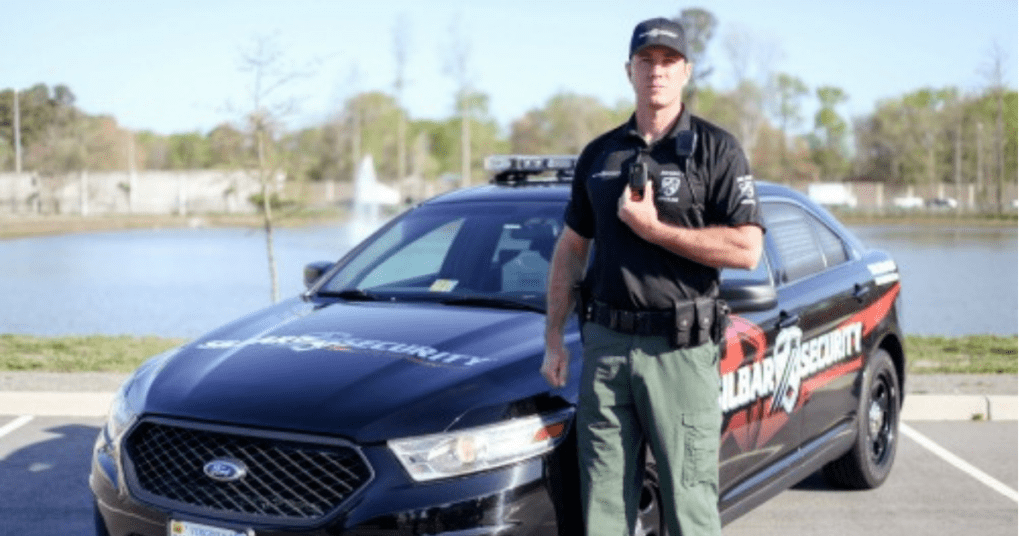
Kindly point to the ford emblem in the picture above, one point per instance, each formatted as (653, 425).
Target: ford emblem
(225, 470)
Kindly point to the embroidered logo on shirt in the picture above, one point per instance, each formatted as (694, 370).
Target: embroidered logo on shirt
(746, 189)
(669, 186)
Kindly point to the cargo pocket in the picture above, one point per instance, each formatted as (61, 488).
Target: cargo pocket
(701, 436)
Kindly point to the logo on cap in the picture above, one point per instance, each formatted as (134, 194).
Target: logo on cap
(658, 32)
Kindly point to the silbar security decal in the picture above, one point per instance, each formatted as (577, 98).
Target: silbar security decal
(344, 342)
(793, 361)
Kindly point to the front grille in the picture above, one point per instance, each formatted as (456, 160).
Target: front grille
(287, 478)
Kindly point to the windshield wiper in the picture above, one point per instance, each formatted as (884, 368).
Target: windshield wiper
(350, 294)
(498, 303)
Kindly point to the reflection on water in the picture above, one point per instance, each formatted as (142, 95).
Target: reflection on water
(186, 282)
(956, 280)
(177, 282)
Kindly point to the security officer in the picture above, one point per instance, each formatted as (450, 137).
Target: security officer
(651, 321)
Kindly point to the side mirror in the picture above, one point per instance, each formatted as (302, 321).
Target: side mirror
(314, 271)
(748, 296)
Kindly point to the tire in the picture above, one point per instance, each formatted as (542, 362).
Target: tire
(868, 463)
(649, 521)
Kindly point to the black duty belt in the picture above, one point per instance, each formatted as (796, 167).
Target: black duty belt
(690, 323)
(633, 322)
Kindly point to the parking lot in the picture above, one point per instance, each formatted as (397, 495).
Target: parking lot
(950, 478)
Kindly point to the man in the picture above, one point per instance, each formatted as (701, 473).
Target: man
(649, 316)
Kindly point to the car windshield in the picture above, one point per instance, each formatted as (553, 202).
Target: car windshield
(476, 254)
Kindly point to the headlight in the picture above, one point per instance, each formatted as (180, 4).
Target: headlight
(478, 449)
(119, 416)
(124, 407)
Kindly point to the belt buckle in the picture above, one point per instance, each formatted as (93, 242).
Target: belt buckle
(627, 321)
(645, 323)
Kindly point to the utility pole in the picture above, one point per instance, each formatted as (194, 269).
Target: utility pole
(17, 134)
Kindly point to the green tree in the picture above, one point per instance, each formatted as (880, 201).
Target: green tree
(227, 146)
(565, 124)
(446, 138)
(698, 28)
(828, 141)
(788, 93)
(49, 139)
(189, 151)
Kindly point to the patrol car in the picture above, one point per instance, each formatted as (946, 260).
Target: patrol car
(400, 394)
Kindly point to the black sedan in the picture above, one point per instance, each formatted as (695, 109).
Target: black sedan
(401, 393)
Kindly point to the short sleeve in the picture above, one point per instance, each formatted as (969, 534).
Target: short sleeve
(579, 216)
(734, 196)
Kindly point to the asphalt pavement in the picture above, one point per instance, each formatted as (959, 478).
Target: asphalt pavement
(955, 473)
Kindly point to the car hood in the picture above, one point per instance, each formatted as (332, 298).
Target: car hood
(365, 371)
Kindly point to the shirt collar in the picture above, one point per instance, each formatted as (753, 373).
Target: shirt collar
(682, 124)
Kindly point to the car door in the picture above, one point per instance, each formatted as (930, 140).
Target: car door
(819, 294)
(754, 435)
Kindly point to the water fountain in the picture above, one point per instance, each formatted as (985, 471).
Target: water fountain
(367, 198)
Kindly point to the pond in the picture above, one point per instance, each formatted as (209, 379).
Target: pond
(185, 282)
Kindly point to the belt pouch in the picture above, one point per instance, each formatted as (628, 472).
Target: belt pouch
(722, 320)
(683, 334)
(704, 311)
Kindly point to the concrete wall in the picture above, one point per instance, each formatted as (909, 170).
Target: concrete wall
(147, 192)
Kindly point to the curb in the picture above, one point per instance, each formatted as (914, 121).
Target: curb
(916, 407)
(959, 408)
(55, 404)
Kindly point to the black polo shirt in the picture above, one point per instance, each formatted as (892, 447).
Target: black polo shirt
(715, 188)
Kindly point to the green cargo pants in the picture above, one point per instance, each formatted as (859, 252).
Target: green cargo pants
(638, 390)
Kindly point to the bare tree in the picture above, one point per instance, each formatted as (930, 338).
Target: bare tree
(456, 65)
(698, 29)
(787, 92)
(993, 71)
(752, 60)
(270, 73)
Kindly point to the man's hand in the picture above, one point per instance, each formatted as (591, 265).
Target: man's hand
(555, 368)
(640, 215)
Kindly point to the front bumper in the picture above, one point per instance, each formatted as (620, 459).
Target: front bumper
(518, 499)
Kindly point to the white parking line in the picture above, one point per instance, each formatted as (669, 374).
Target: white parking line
(958, 462)
(15, 424)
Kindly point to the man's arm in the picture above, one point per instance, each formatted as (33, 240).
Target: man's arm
(716, 246)
(568, 263)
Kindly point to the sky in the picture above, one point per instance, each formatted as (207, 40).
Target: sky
(174, 66)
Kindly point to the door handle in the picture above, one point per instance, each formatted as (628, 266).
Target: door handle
(860, 291)
(787, 320)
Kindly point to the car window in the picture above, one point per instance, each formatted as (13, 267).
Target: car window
(795, 241)
(831, 245)
(459, 249)
(416, 259)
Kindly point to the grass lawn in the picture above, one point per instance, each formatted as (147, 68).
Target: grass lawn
(974, 354)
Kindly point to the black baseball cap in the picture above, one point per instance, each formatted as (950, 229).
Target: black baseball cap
(659, 31)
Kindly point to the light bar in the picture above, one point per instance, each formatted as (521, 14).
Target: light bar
(529, 163)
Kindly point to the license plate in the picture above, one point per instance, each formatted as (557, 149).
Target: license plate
(186, 528)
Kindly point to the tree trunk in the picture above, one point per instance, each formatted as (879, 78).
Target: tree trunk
(268, 220)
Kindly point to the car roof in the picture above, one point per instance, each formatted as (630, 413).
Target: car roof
(532, 191)
(558, 190)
